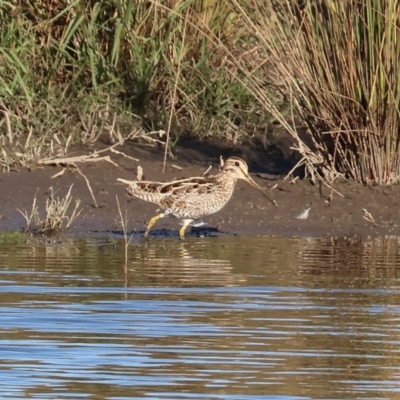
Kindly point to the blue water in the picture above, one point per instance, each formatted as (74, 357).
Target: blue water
(212, 318)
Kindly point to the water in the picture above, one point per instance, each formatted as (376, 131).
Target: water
(235, 318)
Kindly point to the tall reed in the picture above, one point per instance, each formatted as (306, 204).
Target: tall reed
(338, 63)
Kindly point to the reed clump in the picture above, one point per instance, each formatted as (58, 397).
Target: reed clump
(72, 72)
(338, 63)
(59, 215)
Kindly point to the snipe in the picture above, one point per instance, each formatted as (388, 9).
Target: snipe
(193, 198)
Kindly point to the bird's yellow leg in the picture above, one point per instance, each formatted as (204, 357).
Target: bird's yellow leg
(152, 222)
(186, 223)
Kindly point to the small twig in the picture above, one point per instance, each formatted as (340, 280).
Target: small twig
(88, 185)
(94, 157)
(207, 170)
(123, 154)
(139, 174)
(299, 164)
(368, 217)
(58, 174)
(9, 130)
(124, 224)
(33, 214)
(332, 189)
(28, 139)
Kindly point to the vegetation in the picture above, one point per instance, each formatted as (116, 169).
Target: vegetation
(57, 216)
(339, 64)
(71, 72)
(127, 239)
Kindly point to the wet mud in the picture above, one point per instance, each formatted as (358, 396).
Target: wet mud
(338, 213)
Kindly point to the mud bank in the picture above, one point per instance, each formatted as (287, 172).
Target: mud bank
(248, 213)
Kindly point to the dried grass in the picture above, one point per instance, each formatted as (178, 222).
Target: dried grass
(127, 240)
(338, 64)
(57, 218)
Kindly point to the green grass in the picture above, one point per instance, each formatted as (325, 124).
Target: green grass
(68, 70)
(71, 72)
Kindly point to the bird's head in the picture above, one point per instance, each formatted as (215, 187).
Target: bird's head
(237, 168)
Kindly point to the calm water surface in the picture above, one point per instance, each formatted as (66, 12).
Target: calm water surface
(212, 318)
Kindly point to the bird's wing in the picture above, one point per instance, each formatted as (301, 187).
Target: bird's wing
(166, 194)
(188, 186)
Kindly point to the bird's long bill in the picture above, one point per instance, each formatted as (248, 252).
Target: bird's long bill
(260, 189)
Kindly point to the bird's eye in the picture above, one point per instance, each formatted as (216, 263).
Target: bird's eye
(237, 163)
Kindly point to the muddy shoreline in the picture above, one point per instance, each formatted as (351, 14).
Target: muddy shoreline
(248, 213)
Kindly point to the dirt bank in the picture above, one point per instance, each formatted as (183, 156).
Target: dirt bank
(247, 213)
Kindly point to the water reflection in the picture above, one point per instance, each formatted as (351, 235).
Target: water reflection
(218, 318)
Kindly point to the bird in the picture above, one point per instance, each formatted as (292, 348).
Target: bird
(193, 198)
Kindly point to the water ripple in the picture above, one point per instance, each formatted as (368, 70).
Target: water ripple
(228, 318)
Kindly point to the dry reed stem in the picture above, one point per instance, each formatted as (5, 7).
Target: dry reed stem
(123, 154)
(88, 185)
(124, 224)
(175, 89)
(32, 215)
(207, 170)
(66, 201)
(94, 157)
(58, 173)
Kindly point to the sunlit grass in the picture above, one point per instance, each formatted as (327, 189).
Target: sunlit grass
(58, 215)
(338, 63)
(151, 63)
